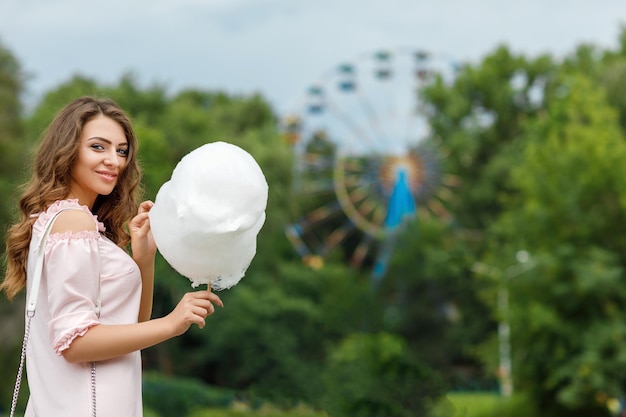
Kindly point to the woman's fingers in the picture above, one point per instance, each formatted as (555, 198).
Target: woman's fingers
(214, 298)
(142, 220)
(200, 303)
(207, 295)
(145, 207)
(194, 307)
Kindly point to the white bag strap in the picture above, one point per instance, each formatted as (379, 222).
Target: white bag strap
(30, 312)
(36, 283)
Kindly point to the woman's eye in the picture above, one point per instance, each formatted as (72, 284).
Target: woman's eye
(97, 147)
(123, 152)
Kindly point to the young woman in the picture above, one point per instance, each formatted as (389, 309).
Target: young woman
(86, 171)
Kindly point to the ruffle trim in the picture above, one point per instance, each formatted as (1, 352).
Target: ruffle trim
(67, 340)
(83, 234)
(57, 206)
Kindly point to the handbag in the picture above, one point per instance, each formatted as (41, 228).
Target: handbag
(30, 313)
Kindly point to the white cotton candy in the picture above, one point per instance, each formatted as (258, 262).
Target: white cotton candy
(206, 218)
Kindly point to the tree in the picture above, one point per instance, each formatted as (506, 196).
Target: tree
(11, 133)
(433, 301)
(479, 121)
(568, 330)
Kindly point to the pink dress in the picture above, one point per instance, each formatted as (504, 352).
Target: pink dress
(73, 264)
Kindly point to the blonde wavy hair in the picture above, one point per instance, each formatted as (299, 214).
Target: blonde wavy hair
(50, 182)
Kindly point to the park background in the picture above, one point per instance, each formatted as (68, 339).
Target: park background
(538, 210)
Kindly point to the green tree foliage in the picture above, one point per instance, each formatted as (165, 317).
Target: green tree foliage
(12, 155)
(372, 375)
(53, 101)
(539, 150)
(432, 300)
(180, 396)
(274, 333)
(479, 123)
(11, 131)
(569, 331)
(479, 120)
(607, 69)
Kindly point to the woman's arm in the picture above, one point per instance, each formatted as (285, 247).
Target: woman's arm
(144, 250)
(103, 341)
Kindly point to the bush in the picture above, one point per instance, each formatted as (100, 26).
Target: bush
(374, 375)
(178, 397)
(265, 411)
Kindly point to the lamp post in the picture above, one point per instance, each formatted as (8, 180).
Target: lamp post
(505, 368)
(504, 343)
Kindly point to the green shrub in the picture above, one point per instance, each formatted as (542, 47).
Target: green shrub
(265, 411)
(376, 375)
(178, 397)
(148, 412)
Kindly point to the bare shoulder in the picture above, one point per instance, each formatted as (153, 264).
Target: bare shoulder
(74, 221)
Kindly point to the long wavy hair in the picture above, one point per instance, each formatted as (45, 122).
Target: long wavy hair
(50, 182)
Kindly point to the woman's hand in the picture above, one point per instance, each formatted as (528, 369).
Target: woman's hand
(142, 243)
(194, 307)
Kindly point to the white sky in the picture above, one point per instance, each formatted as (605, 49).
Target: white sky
(278, 47)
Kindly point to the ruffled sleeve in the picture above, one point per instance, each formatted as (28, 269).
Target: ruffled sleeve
(72, 273)
(44, 217)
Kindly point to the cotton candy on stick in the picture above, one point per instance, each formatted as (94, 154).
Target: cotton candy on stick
(206, 218)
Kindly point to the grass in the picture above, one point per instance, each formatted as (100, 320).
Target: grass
(481, 404)
(475, 404)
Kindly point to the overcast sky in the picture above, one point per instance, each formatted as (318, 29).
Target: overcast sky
(278, 47)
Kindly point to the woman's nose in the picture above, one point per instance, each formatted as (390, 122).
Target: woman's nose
(111, 161)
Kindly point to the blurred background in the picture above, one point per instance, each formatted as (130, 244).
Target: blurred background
(444, 231)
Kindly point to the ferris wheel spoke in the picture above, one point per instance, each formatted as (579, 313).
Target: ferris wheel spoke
(450, 180)
(373, 120)
(349, 87)
(303, 234)
(360, 252)
(444, 194)
(385, 78)
(367, 208)
(370, 210)
(357, 131)
(437, 208)
(414, 127)
(359, 194)
(320, 214)
(317, 162)
(374, 212)
(339, 235)
(294, 235)
(318, 186)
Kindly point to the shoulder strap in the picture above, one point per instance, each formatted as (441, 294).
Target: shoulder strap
(36, 283)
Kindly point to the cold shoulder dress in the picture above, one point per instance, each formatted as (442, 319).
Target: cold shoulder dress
(74, 263)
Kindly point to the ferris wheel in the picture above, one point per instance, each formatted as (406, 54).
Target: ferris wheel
(366, 161)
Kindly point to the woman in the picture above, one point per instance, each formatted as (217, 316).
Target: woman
(86, 171)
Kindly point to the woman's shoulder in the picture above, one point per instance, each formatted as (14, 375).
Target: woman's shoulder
(72, 217)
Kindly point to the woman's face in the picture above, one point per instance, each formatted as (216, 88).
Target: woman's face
(102, 157)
